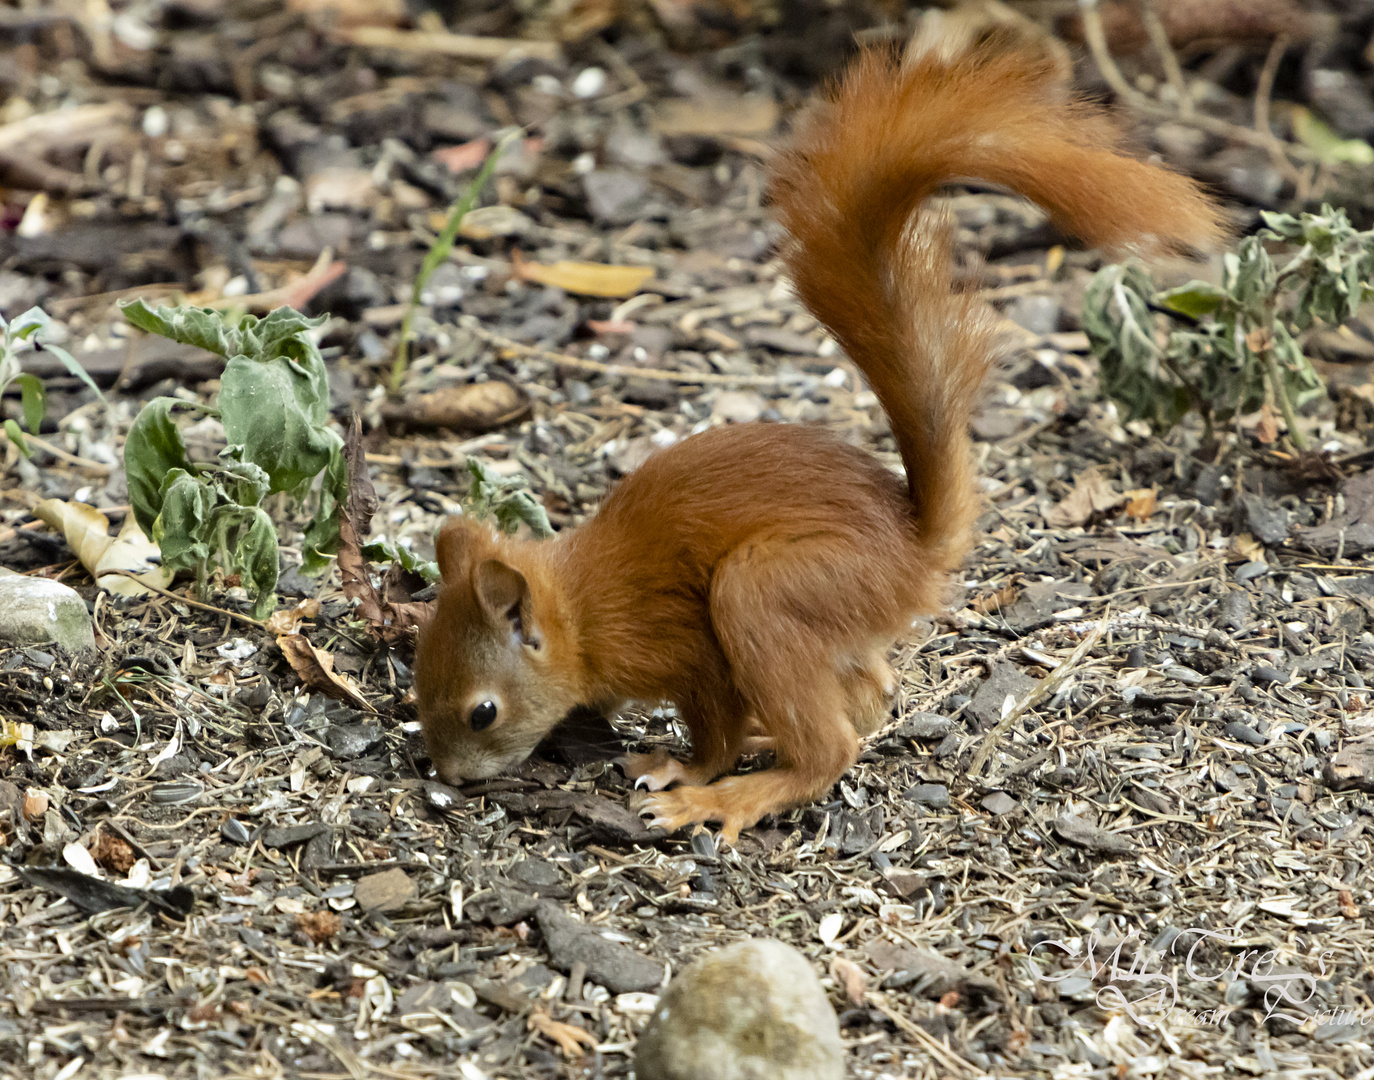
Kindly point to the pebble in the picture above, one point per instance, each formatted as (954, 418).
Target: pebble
(39, 611)
(745, 1012)
(936, 795)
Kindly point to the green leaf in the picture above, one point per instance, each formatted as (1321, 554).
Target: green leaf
(257, 560)
(502, 498)
(34, 399)
(1326, 144)
(378, 551)
(17, 437)
(1196, 299)
(26, 325)
(152, 450)
(73, 367)
(202, 327)
(272, 412)
(322, 534)
(182, 530)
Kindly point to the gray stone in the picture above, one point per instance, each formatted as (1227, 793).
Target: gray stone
(614, 197)
(38, 611)
(752, 1011)
(615, 966)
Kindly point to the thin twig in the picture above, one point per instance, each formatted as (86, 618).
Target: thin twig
(622, 370)
(1159, 39)
(187, 600)
(1264, 87)
(1097, 45)
(1034, 696)
(62, 455)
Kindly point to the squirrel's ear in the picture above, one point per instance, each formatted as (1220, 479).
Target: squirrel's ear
(501, 589)
(454, 547)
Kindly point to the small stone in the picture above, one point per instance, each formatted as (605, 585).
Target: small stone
(1038, 314)
(1243, 733)
(1080, 833)
(737, 407)
(746, 1012)
(934, 795)
(39, 611)
(540, 877)
(615, 197)
(388, 891)
(1000, 803)
(1235, 611)
(924, 725)
(348, 741)
(615, 966)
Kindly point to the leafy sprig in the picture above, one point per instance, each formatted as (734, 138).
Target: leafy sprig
(274, 405)
(1233, 347)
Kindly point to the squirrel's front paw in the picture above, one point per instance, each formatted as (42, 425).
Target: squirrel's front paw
(672, 810)
(654, 771)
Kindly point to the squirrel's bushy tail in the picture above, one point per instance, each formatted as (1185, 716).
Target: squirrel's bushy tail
(877, 273)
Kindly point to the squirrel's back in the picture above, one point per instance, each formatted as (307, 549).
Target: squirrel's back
(876, 271)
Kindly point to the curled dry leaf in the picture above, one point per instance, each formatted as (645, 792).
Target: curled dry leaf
(316, 669)
(471, 407)
(390, 620)
(87, 532)
(288, 620)
(318, 926)
(1091, 494)
(112, 852)
(1267, 430)
(35, 804)
(1141, 503)
(570, 1038)
(584, 279)
(851, 977)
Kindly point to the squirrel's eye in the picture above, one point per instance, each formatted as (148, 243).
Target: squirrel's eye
(483, 716)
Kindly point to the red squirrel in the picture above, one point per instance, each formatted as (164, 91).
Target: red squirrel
(756, 575)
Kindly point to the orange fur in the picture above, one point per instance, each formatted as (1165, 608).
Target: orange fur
(756, 575)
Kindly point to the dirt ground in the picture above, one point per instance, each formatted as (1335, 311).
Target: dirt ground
(1120, 824)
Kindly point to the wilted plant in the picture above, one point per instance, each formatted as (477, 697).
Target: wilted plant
(20, 335)
(274, 405)
(1237, 346)
(505, 499)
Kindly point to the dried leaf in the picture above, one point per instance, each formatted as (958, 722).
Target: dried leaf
(87, 532)
(112, 852)
(750, 114)
(316, 669)
(995, 601)
(584, 279)
(318, 926)
(1267, 430)
(569, 1038)
(471, 407)
(35, 804)
(1091, 494)
(1141, 503)
(462, 158)
(288, 620)
(850, 976)
(389, 620)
